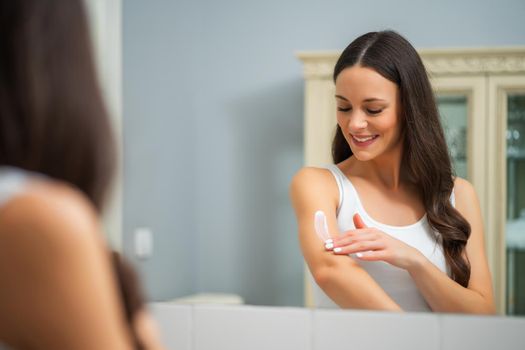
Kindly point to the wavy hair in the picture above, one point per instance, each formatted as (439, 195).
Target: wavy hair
(425, 154)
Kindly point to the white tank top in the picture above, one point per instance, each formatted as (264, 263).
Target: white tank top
(12, 182)
(396, 282)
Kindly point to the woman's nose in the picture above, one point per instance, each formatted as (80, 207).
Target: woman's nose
(357, 121)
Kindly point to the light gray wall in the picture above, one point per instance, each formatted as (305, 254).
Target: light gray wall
(213, 126)
(159, 140)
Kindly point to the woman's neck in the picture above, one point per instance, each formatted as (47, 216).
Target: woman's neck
(384, 170)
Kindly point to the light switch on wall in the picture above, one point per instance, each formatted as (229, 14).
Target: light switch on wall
(143, 242)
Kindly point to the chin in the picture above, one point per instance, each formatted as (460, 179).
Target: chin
(363, 156)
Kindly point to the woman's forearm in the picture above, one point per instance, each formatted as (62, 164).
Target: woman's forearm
(351, 287)
(444, 294)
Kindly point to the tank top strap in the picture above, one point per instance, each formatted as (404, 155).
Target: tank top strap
(453, 198)
(12, 182)
(340, 180)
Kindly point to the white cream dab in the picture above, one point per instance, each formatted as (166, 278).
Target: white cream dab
(321, 225)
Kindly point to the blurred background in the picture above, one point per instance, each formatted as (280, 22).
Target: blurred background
(208, 101)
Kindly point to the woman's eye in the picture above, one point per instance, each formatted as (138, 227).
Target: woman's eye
(341, 109)
(374, 111)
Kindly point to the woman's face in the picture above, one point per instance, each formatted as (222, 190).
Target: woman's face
(367, 112)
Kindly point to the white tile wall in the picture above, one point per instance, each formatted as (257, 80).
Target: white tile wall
(252, 328)
(175, 325)
(204, 327)
(374, 330)
(482, 333)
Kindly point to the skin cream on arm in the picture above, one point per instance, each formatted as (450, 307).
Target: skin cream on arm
(321, 225)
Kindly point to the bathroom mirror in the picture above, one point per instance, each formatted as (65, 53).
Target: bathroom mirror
(213, 112)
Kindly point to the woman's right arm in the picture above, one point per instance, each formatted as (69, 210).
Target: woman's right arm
(57, 287)
(340, 277)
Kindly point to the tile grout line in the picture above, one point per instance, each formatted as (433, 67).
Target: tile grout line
(440, 333)
(192, 328)
(312, 326)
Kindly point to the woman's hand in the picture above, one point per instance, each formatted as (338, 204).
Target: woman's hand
(371, 244)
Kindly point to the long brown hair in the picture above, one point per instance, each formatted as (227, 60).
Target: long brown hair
(52, 117)
(425, 154)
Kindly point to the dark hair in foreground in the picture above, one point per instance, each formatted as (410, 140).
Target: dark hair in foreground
(425, 155)
(52, 117)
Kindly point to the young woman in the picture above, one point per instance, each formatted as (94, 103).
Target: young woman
(60, 288)
(406, 234)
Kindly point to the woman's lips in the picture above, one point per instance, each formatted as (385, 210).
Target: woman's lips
(364, 141)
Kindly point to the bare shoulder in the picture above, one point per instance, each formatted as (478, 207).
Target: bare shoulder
(311, 177)
(467, 203)
(313, 187)
(56, 273)
(49, 213)
(464, 193)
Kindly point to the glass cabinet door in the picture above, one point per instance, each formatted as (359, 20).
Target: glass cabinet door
(453, 110)
(515, 225)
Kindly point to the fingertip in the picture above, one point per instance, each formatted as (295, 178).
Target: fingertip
(358, 221)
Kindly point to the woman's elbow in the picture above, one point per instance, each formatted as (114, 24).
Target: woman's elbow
(489, 309)
(486, 310)
(323, 276)
(330, 271)
(487, 306)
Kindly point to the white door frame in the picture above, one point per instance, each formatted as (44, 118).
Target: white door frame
(105, 19)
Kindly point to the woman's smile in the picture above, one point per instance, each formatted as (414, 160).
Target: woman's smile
(363, 140)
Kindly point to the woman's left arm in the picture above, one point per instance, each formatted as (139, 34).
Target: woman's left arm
(441, 292)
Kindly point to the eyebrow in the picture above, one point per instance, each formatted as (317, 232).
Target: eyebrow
(371, 99)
